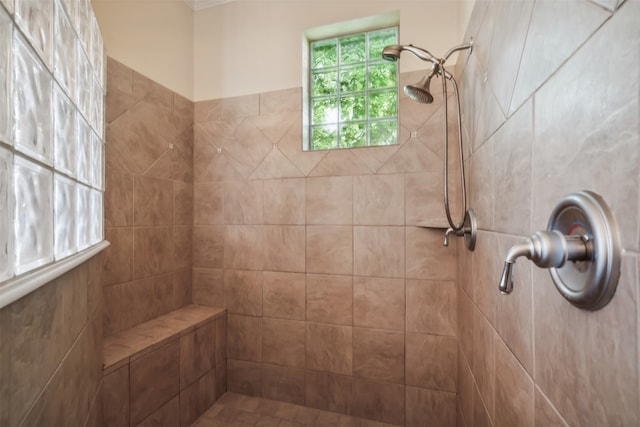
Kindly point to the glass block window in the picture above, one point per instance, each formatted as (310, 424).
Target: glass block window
(353, 92)
(51, 136)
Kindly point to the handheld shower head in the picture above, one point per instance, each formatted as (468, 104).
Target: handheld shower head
(420, 91)
(392, 53)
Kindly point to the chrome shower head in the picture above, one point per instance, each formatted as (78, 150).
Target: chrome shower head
(392, 53)
(420, 91)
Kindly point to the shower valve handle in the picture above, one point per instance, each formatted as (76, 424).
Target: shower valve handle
(547, 249)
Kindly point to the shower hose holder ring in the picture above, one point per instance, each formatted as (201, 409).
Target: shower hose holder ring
(468, 230)
(580, 247)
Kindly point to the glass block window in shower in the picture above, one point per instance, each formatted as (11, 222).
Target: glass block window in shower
(353, 93)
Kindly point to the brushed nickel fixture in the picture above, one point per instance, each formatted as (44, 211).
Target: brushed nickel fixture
(580, 247)
(421, 92)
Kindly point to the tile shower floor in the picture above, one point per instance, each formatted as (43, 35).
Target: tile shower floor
(236, 410)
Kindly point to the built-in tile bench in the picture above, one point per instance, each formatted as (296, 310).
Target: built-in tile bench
(167, 371)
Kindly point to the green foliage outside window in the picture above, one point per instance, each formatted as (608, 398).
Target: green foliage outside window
(354, 92)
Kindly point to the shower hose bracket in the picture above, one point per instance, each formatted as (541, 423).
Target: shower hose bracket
(580, 247)
(468, 230)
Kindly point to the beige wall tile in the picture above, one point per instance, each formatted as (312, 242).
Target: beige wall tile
(118, 199)
(486, 267)
(244, 247)
(155, 378)
(329, 249)
(378, 251)
(378, 401)
(182, 289)
(197, 398)
(329, 348)
(244, 338)
(208, 246)
(116, 397)
(545, 414)
(427, 258)
(182, 247)
(153, 201)
(330, 200)
(432, 362)
(243, 292)
(208, 287)
(167, 416)
(465, 389)
(378, 200)
(330, 299)
(379, 303)
(284, 201)
(283, 383)
(514, 390)
(283, 295)
(283, 342)
(197, 354)
(117, 259)
(152, 251)
(329, 392)
(436, 406)
(483, 362)
(182, 203)
(431, 307)
(378, 355)
(244, 377)
(423, 194)
(287, 100)
(208, 203)
(480, 415)
(284, 248)
(243, 202)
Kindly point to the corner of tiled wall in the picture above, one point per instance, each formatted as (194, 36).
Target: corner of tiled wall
(148, 199)
(543, 122)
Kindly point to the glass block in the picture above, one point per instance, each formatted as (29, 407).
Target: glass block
(35, 19)
(85, 84)
(325, 110)
(64, 201)
(353, 135)
(353, 78)
(83, 151)
(324, 137)
(352, 49)
(97, 50)
(83, 217)
(96, 166)
(97, 107)
(71, 8)
(324, 53)
(383, 132)
(64, 134)
(33, 189)
(84, 24)
(6, 105)
(379, 39)
(9, 4)
(6, 215)
(383, 75)
(353, 108)
(64, 52)
(32, 104)
(383, 104)
(95, 221)
(324, 82)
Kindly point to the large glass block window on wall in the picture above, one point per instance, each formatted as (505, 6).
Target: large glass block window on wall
(353, 91)
(51, 141)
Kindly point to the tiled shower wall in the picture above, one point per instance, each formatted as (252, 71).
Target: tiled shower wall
(551, 96)
(148, 199)
(335, 299)
(51, 339)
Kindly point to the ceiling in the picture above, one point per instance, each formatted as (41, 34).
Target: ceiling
(204, 4)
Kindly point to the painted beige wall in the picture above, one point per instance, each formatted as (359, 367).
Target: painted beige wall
(252, 46)
(249, 47)
(154, 37)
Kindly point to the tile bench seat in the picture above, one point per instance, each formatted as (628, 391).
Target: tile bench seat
(170, 369)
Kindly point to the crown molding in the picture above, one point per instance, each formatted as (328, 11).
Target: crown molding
(205, 4)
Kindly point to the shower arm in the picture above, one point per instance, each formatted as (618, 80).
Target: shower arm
(455, 49)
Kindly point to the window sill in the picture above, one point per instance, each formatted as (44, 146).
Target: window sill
(14, 289)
